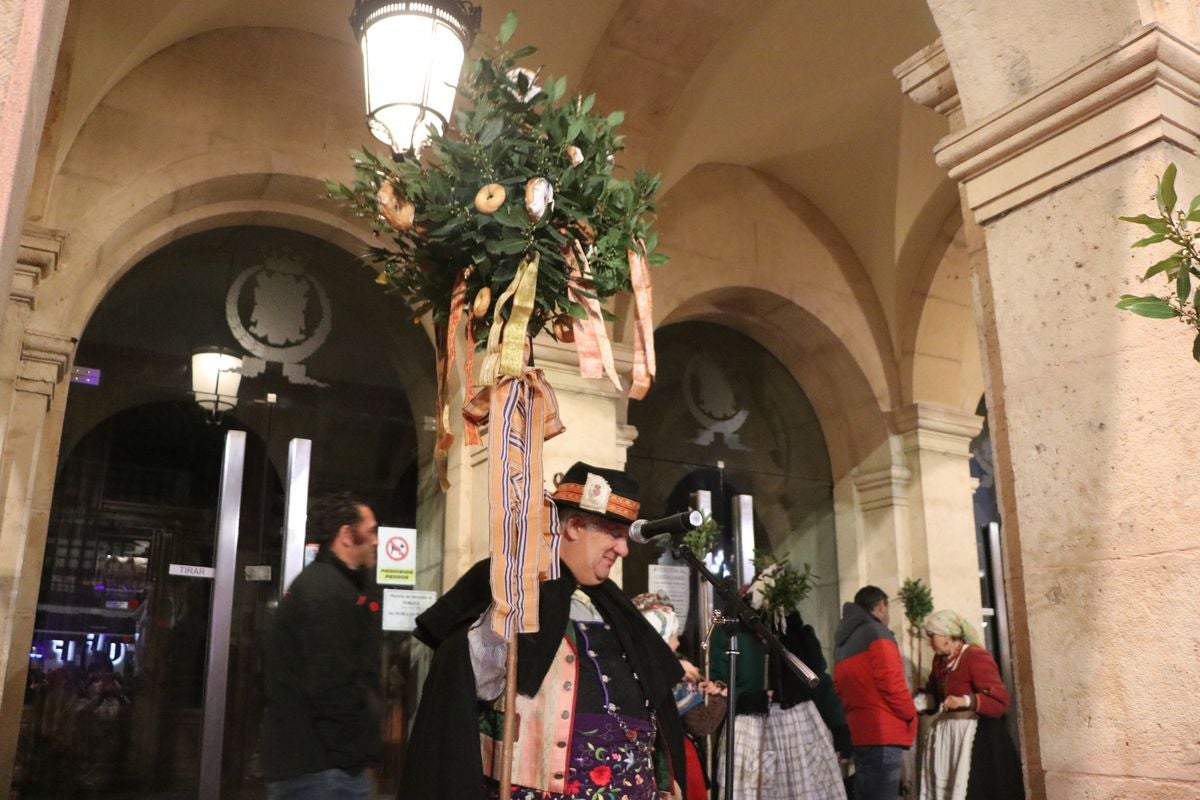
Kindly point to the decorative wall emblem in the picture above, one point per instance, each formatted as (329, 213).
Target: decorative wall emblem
(712, 402)
(279, 313)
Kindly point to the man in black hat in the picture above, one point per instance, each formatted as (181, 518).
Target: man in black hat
(595, 709)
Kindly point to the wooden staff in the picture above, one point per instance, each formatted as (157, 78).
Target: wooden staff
(510, 718)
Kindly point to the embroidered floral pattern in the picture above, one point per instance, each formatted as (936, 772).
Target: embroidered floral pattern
(608, 762)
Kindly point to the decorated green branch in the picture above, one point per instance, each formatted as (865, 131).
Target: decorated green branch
(778, 589)
(1172, 224)
(525, 173)
(702, 539)
(513, 222)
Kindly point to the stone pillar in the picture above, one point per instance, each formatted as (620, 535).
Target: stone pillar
(30, 34)
(27, 465)
(593, 412)
(1094, 413)
(937, 450)
(879, 553)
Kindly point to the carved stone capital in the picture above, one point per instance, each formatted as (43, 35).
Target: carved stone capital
(44, 360)
(882, 488)
(1144, 89)
(926, 78)
(37, 258)
(937, 428)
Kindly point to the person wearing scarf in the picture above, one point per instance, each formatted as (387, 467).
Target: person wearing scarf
(701, 716)
(968, 752)
(595, 707)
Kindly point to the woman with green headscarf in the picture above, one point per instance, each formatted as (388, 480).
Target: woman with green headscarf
(968, 753)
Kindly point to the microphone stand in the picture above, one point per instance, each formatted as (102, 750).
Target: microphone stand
(738, 615)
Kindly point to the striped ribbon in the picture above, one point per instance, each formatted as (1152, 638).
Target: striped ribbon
(591, 335)
(644, 366)
(522, 413)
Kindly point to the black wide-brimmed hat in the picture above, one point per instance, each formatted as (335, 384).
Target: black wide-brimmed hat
(606, 493)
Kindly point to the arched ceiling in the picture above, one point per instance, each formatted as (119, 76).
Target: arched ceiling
(801, 90)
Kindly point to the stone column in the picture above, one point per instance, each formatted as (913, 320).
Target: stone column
(937, 450)
(27, 464)
(30, 34)
(593, 412)
(1094, 414)
(879, 552)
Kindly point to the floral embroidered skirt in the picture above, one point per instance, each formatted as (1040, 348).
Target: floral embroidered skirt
(608, 762)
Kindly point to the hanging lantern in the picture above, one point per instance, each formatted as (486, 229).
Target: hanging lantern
(412, 56)
(216, 376)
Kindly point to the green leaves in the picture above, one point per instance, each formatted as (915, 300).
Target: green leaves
(1153, 239)
(1166, 190)
(508, 27)
(1170, 265)
(1148, 306)
(918, 601)
(1172, 225)
(507, 131)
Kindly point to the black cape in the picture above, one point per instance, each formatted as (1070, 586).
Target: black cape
(443, 761)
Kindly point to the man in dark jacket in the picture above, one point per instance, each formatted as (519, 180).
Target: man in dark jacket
(869, 677)
(322, 726)
(595, 709)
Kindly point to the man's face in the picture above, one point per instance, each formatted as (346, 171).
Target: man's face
(363, 539)
(882, 612)
(591, 546)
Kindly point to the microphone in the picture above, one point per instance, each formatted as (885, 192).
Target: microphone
(643, 530)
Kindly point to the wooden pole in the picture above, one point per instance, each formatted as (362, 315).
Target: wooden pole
(510, 719)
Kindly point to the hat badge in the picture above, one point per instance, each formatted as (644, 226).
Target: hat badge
(596, 492)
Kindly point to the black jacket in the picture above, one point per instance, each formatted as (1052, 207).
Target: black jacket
(443, 759)
(322, 674)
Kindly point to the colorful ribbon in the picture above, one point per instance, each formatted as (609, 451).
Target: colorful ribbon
(444, 347)
(522, 413)
(644, 365)
(591, 335)
(506, 340)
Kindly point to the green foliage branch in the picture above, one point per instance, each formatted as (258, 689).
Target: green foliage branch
(702, 539)
(918, 603)
(1172, 224)
(779, 588)
(508, 132)
(917, 598)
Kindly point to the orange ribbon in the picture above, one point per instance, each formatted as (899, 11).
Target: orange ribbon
(445, 360)
(591, 335)
(644, 366)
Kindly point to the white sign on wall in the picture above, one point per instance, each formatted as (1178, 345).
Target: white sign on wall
(396, 562)
(190, 571)
(675, 582)
(401, 607)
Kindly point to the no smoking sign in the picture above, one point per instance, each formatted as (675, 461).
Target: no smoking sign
(397, 557)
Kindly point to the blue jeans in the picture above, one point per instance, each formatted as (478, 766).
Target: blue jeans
(331, 784)
(877, 772)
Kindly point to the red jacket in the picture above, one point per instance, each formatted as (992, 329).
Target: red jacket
(975, 675)
(869, 677)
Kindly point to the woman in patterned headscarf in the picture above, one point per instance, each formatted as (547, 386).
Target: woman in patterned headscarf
(700, 717)
(968, 753)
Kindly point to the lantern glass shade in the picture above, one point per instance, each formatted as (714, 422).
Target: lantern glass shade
(216, 377)
(412, 58)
